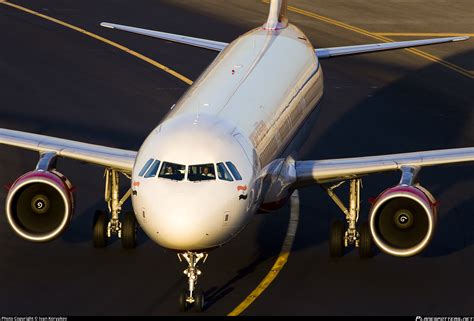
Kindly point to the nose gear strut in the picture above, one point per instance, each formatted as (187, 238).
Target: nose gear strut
(192, 296)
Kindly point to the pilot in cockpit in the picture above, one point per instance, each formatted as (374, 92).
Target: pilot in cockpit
(169, 171)
(205, 172)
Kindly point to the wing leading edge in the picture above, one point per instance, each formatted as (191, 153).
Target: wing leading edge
(320, 171)
(361, 49)
(119, 159)
(192, 41)
(322, 53)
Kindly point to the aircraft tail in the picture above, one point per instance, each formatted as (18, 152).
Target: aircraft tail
(277, 17)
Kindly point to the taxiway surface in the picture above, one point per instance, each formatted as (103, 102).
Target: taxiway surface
(59, 82)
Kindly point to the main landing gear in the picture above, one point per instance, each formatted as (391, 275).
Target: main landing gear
(344, 235)
(191, 296)
(107, 224)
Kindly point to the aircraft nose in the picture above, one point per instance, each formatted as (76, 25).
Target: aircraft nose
(181, 229)
(186, 222)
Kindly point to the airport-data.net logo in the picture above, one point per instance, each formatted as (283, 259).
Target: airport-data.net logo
(432, 318)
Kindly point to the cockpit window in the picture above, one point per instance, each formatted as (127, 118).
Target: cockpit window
(144, 169)
(153, 169)
(172, 171)
(203, 172)
(234, 171)
(223, 173)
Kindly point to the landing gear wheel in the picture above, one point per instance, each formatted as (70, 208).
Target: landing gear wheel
(99, 229)
(336, 239)
(199, 301)
(183, 304)
(365, 242)
(129, 231)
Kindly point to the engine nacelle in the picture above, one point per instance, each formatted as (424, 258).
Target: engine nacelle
(40, 205)
(403, 219)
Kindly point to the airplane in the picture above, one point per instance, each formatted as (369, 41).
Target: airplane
(250, 110)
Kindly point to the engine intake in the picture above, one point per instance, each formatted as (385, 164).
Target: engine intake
(40, 205)
(402, 220)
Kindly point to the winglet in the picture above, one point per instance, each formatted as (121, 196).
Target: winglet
(107, 25)
(460, 38)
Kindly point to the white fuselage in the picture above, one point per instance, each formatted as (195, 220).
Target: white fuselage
(245, 108)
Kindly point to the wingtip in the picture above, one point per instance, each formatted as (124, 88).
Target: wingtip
(107, 25)
(461, 38)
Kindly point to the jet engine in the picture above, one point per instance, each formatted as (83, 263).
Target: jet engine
(402, 220)
(40, 205)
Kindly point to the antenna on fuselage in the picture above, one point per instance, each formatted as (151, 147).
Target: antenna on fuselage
(205, 106)
(197, 115)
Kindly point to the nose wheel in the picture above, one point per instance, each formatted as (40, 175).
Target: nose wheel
(183, 302)
(199, 301)
(192, 296)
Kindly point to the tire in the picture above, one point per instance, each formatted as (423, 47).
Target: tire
(99, 229)
(199, 301)
(129, 231)
(183, 304)
(336, 239)
(365, 242)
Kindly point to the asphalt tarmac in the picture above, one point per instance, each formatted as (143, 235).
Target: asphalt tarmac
(59, 82)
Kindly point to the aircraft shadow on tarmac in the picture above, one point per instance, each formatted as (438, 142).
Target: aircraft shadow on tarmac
(269, 240)
(80, 230)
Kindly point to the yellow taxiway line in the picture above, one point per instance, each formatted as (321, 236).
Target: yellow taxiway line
(423, 34)
(109, 42)
(287, 245)
(293, 224)
(281, 260)
(379, 37)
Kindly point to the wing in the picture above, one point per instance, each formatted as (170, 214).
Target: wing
(314, 171)
(196, 42)
(321, 53)
(119, 159)
(360, 49)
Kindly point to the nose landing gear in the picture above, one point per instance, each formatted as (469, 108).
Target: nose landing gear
(191, 295)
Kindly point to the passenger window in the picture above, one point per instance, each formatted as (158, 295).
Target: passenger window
(153, 169)
(144, 169)
(172, 171)
(202, 172)
(234, 171)
(223, 173)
